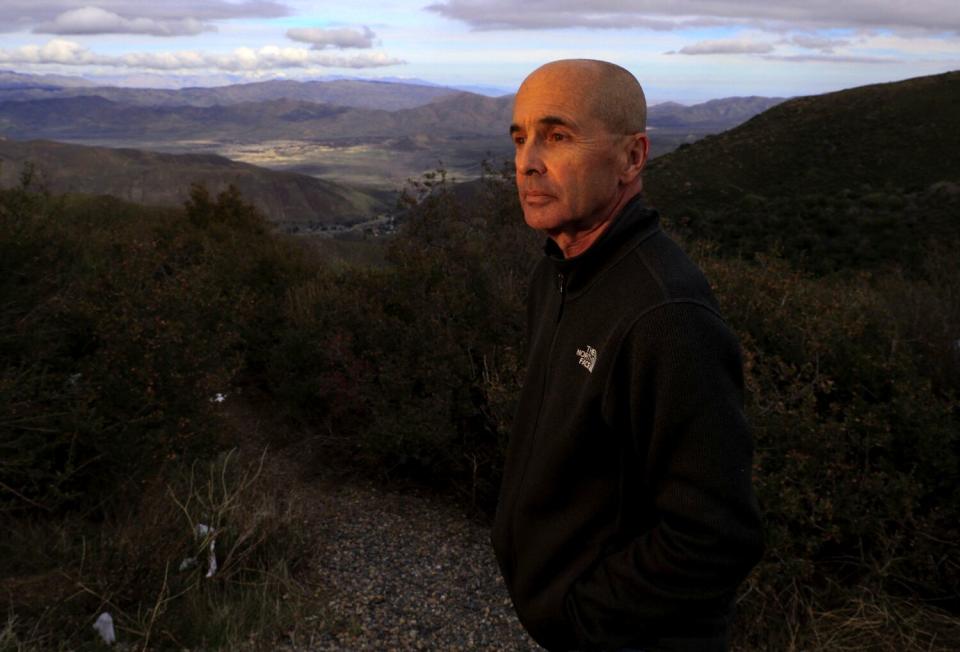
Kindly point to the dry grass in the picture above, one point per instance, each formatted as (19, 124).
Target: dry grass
(840, 619)
(71, 571)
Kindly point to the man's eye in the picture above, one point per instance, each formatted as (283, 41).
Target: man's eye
(519, 140)
(557, 137)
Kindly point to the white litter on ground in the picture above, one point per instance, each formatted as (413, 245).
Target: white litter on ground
(212, 560)
(104, 627)
(203, 531)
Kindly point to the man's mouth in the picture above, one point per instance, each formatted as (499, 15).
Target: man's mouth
(537, 198)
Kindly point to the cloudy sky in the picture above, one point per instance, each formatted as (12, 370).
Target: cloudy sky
(683, 50)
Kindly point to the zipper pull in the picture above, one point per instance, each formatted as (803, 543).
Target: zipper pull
(561, 285)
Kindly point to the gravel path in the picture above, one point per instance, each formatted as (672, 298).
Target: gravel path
(408, 572)
(399, 570)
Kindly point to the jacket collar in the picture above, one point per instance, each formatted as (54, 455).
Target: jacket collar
(635, 222)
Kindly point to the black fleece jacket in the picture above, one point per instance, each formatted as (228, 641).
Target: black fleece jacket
(627, 515)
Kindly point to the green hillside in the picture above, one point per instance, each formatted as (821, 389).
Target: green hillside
(857, 178)
(293, 202)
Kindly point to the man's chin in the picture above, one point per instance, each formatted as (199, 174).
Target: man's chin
(542, 218)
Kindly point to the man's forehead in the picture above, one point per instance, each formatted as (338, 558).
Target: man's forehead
(551, 106)
(586, 92)
(560, 88)
(551, 86)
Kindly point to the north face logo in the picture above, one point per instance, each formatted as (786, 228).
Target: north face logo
(588, 358)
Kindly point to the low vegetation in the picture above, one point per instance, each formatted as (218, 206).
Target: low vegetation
(121, 325)
(863, 229)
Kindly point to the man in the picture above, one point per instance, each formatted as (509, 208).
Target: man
(627, 516)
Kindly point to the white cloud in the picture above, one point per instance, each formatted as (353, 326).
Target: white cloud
(340, 38)
(812, 42)
(911, 46)
(728, 46)
(158, 18)
(790, 50)
(94, 20)
(68, 53)
(926, 15)
(540, 14)
(830, 58)
(55, 51)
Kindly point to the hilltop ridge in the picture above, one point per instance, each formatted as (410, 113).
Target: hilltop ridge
(859, 177)
(904, 133)
(373, 94)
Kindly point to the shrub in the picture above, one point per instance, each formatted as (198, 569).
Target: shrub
(823, 234)
(416, 364)
(856, 449)
(120, 324)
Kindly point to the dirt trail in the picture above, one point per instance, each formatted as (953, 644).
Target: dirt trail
(400, 570)
(407, 572)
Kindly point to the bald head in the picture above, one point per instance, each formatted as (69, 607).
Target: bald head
(580, 144)
(608, 92)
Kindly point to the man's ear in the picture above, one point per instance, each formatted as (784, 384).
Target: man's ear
(637, 148)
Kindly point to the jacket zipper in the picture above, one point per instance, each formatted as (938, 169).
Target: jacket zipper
(561, 285)
(562, 288)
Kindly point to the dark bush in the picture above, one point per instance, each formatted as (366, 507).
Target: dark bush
(416, 364)
(121, 324)
(852, 385)
(857, 432)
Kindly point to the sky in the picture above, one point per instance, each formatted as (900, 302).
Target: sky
(680, 50)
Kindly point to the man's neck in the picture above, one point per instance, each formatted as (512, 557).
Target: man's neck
(577, 240)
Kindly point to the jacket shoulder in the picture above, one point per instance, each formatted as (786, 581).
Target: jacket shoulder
(676, 276)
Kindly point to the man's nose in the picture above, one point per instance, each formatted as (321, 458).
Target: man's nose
(529, 159)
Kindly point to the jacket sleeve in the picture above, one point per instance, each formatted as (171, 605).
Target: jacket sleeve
(676, 394)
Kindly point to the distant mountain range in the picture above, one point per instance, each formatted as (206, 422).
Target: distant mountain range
(339, 111)
(10, 80)
(157, 81)
(863, 177)
(91, 117)
(363, 138)
(349, 93)
(343, 143)
(295, 202)
(715, 114)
